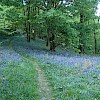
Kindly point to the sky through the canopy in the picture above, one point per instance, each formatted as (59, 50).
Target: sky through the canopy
(98, 11)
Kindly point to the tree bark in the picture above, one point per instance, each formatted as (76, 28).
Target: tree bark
(95, 43)
(28, 21)
(52, 43)
(95, 40)
(47, 42)
(34, 36)
(81, 35)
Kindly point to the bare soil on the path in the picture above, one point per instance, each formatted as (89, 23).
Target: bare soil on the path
(44, 88)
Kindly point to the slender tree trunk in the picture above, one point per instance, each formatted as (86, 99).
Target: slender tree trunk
(47, 42)
(28, 21)
(33, 34)
(52, 43)
(34, 12)
(95, 40)
(81, 35)
(25, 23)
(95, 43)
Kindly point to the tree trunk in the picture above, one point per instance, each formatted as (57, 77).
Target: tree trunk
(52, 43)
(81, 35)
(34, 36)
(47, 42)
(28, 21)
(25, 23)
(95, 43)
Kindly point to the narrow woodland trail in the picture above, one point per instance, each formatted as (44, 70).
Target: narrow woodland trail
(44, 88)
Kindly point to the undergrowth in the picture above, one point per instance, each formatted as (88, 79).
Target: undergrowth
(72, 77)
(68, 84)
(19, 82)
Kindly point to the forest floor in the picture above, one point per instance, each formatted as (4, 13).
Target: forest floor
(44, 87)
(42, 83)
(45, 75)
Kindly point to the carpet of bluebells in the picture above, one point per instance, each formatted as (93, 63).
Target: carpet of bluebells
(7, 55)
(17, 81)
(72, 77)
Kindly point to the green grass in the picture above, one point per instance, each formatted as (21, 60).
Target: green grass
(19, 82)
(67, 84)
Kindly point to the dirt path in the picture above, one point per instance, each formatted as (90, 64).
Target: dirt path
(44, 89)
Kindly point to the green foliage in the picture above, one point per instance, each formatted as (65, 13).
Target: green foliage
(62, 19)
(11, 18)
(73, 39)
